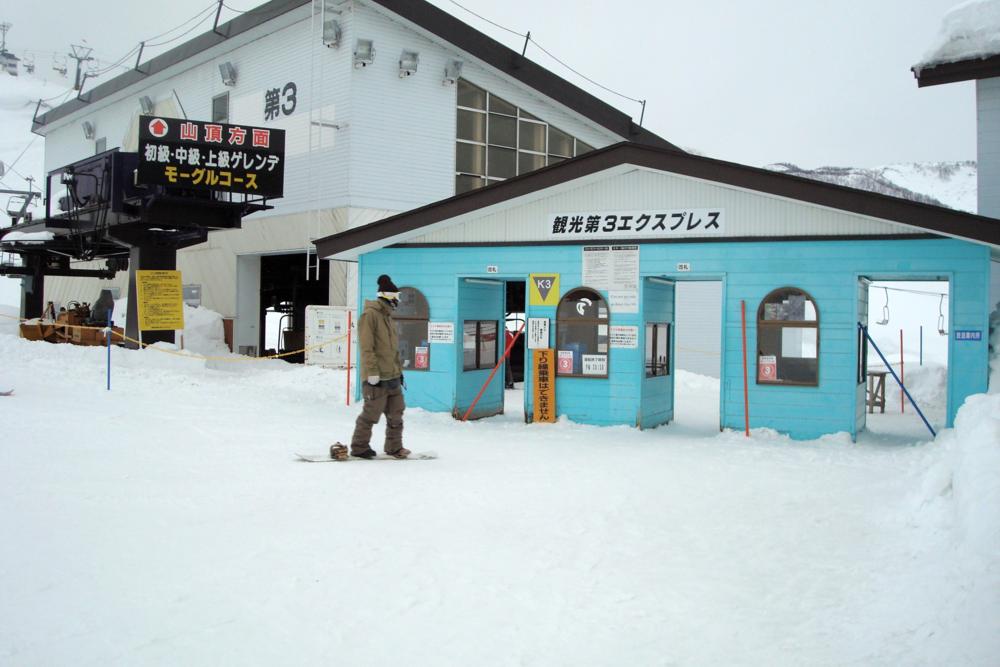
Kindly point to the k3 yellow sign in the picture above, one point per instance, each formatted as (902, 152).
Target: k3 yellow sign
(543, 289)
(544, 362)
(161, 300)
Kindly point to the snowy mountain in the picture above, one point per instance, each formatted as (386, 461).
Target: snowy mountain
(951, 184)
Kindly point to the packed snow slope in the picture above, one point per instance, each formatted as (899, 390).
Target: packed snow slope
(166, 521)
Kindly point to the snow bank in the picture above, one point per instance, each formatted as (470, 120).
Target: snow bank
(969, 30)
(968, 472)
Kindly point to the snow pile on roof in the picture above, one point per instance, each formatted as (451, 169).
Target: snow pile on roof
(969, 31)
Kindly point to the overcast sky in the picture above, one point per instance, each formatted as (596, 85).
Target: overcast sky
(805, 81)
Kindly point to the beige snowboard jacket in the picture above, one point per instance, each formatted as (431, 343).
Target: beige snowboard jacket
(378, 343)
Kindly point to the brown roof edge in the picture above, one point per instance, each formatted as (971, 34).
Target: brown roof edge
(935, 219)
(963, 70)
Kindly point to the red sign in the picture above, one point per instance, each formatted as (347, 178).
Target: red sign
(767, 368)
(158, 127)
(565, 364)
(420, 358)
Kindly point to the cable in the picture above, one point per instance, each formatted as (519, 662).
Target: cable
(11, 165)
(178, 27)
(613, 92)
(549, 54)
(183, 34)
(513, 32)
(911, 291)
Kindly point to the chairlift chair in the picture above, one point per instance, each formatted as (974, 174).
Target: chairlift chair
(941, 329)
(885, 309)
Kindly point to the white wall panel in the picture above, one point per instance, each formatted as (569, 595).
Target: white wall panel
(746, 213)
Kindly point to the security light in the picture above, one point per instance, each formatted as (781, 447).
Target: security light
(408, 61)
(228, 73)
(88, 129)
(331, 33)
(452, 71)
(364, 53)
(146, 104)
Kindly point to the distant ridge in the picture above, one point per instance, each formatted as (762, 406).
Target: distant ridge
(949, 184)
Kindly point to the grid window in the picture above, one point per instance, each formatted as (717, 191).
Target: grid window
(496, 140)
(788, 338)
(479, 344)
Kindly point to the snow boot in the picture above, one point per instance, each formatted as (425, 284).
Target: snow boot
(400, 453)
(365, 454)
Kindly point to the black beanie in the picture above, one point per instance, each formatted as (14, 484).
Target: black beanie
(385, 284)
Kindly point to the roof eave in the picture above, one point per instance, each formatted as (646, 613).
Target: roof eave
(934, 219)
(961, 70)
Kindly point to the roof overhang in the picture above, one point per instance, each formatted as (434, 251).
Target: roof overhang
(962, 70)
(352, 243)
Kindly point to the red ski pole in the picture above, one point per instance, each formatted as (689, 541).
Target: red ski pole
(494, 372)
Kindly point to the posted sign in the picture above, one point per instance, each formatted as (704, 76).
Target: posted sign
(211, 156)
(161, 300)
(545, 385)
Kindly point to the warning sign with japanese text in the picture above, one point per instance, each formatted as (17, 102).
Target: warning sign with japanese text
(161, 300)
(211, 156)
(545, 385)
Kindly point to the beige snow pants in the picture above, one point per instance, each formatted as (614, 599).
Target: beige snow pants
(379, 400)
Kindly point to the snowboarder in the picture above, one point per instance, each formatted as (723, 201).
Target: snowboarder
(382, 370)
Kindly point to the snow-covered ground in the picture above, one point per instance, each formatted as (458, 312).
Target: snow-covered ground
(167, 522)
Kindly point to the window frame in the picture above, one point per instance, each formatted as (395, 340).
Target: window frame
(651, 344)
(599, 302)
(466, 181)
(478, 342)
(779, 325)
(216, 98)
(423, 316)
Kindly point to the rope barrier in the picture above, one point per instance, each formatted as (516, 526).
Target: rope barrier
(178, 353)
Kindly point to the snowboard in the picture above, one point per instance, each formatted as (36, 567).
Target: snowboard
(7, 393)
(325, 458)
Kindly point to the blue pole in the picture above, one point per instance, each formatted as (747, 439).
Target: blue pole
(864, 329)
(109, 350)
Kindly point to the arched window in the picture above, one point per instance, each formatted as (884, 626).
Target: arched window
(411, 317)
(788, 338)
(582, 334)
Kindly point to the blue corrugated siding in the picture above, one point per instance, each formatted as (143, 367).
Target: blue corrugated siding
(657, 405)
(828, 270)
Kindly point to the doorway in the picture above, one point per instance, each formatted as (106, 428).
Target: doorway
(287, 286)
(698, 354)
(908, 320)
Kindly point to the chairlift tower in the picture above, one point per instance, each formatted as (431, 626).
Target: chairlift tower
(81, 54)
(4, 27)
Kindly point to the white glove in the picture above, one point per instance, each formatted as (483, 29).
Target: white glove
(373, 379)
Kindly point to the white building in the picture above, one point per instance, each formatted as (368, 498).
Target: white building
(387, 105)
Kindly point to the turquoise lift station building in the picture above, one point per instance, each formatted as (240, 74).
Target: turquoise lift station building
(599, 242)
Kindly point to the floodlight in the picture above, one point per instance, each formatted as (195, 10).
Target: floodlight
(364, 53)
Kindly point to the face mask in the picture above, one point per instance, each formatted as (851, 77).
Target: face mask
(391, 297)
